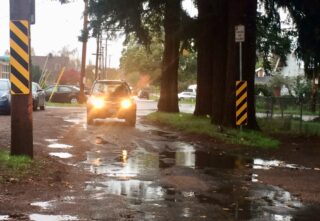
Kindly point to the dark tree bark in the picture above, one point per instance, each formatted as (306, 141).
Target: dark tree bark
(168, 101)
(205, 48)
(219, 57)
(240, 12)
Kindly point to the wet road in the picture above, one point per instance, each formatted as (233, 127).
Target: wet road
(148, 173)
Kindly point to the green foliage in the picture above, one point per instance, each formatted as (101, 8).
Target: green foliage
(273, 41)
(137, 61)
(277, 80)
(262, 89)
(202, 125)
(307, 21)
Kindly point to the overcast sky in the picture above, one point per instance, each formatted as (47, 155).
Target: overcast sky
(58, 26)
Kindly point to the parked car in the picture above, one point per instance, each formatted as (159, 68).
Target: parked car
(186, 95)
(38, 97)
(5, 96)
(110, 98)
(63, 94)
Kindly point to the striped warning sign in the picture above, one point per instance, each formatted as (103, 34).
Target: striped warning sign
(19, 57)
(241, 103)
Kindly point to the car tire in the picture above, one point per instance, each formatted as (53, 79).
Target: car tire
(34, 106)
(131, 120)
(90, 118)
(74, 100)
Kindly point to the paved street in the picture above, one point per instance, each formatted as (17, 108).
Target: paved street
(148, 173)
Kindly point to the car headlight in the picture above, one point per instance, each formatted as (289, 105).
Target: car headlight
(126, 103)
(96, 102)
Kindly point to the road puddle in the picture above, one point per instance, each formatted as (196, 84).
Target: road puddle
(43, 205)
(59, 146)
(40, 217)
(4, 217)
(62, 155)
(138, 177)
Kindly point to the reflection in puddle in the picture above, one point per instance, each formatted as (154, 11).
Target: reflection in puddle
(39, 217)
(59, 146)
(4, 217)
(62, 155)
(260, 164)
(51, 140)
(132, 189)
(134, 175)
(42, 205)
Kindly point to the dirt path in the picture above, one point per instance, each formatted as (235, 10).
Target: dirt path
(110, 171)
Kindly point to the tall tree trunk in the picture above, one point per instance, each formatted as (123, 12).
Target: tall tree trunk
(241, 12)
(205, 48)
(219, 57)
(168, 101)
(249, 58)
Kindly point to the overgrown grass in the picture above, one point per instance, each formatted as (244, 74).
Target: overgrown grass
(51, 104)
(14, 166)
(202, 125)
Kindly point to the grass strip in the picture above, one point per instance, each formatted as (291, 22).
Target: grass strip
(14, 166)
(202, 125)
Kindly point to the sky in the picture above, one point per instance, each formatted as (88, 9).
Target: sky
(59, 26)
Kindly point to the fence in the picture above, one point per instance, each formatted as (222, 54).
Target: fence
(290, 109)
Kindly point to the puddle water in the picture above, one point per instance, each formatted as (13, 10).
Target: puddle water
(135, 176)
(51, 140)
(43, 205)
(4, 217)
(39, 217)
(269, 164)
(59, 146)
(62, 155)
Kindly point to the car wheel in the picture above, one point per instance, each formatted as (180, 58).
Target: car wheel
(131, 120)
(73, 100)
(34, 106)
(90, 118)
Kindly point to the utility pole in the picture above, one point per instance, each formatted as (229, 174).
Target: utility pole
(22, 14)
(84, 50)
(96, 74)
(106, 58)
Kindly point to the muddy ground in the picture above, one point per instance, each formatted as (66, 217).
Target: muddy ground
(110, 171)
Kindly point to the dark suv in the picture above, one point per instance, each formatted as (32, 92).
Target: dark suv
(109, 98)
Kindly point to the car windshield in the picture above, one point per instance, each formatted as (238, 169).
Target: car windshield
(110, 89)
(4, 86)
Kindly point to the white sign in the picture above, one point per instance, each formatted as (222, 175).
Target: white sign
(240, 33)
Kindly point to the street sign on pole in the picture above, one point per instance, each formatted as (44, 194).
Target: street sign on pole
(20, 62)
(23, 10)
(240, 33)
(241, 86)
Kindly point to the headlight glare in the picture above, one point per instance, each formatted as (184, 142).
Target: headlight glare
(97, 102)
(126, 104)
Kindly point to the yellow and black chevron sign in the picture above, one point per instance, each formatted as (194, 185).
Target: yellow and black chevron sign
(241, 103)
(19, 57)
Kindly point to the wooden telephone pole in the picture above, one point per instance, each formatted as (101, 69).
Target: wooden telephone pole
(22, 14)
